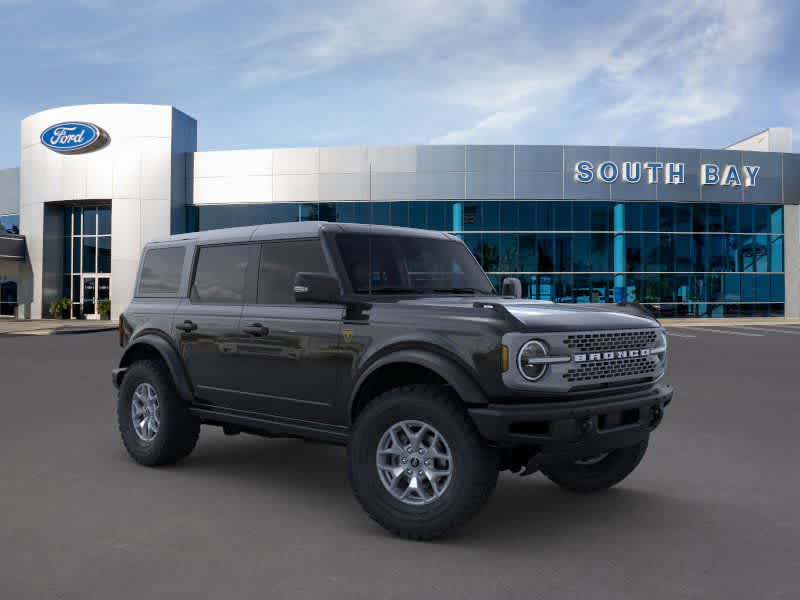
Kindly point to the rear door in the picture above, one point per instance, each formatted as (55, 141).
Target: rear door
(207, 322)
(290, 362)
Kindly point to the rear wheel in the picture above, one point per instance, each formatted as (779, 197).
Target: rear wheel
(154, 422)
(417, 464)
(597, 473)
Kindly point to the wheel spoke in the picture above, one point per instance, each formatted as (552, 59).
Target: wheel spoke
(412, 437)
(145, 413)
(427, 463)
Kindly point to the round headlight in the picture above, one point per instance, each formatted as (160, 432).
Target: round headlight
(527, 360)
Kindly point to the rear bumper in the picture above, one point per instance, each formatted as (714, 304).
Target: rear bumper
(575, 429)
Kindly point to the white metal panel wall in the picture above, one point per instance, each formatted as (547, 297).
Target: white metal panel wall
(134, 172)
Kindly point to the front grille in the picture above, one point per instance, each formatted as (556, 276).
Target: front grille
(602, 370)
(612, 340)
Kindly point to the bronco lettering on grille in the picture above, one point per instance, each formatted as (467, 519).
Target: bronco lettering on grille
(610, 355)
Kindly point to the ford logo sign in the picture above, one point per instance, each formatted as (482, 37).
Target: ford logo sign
(74, 137)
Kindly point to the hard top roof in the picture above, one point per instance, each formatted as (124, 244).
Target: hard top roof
(293, 230)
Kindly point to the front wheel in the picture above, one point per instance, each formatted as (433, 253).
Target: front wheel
(598, 472)
(417, 464)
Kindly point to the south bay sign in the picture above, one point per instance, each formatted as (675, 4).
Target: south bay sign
(666, 172)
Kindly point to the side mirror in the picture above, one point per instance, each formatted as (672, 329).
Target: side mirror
(316, 287)
(512, 287)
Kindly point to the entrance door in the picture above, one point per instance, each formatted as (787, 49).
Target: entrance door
(87, 258)
(92, 290)
(88, 295)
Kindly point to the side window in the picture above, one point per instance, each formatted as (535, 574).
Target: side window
(161, 271)
(219, 276)
(280, 262)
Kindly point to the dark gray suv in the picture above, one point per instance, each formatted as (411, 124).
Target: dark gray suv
(391, 341)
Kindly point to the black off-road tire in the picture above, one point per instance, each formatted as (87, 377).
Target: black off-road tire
(178, 430)
(601, 475)
(475, 465)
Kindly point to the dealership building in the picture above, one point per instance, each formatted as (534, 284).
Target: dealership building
(690, 232)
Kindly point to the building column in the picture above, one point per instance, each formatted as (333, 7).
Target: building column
(620, 289)
(791, 260)
(458, 218)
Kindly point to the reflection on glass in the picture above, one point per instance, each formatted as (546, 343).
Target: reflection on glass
(104, 220)
(103, 288)
(104, 254)
(88, 295)
(89, 252)
(89, 221)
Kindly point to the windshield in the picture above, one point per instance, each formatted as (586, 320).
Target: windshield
(410, 265)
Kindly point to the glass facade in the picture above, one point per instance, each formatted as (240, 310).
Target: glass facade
(9, 224)
(681, 259)
(87, 257)
(8, 295)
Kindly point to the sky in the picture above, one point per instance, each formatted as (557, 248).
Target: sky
(328, 73)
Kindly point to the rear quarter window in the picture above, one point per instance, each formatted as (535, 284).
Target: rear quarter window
(161, 271)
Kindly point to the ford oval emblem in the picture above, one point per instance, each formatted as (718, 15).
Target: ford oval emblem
(74, 137)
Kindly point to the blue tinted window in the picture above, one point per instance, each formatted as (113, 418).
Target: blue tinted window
(633, 216)
(89, 221)
(761, 219)
(9, 224)
(399, 214)
(562, 216)
(380, 213)
(527, 252)
(491, 216)
(104, 220)
(776, 219)
(650, 216)
(509, 216)
(417, 215)
(471, 218)
(683, 217)
(527, 216)
(746, 218)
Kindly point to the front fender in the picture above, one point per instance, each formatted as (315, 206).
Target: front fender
(155, 343)
(454, 374)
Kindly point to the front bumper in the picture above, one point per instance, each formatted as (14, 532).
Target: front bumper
(576, 429)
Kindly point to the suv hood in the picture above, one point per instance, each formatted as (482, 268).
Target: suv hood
(542, 315)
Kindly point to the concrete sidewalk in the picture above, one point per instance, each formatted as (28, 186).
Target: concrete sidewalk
(53, 326)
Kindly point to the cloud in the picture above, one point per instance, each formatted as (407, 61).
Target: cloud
(496, 123)
(301, 45)
(675, 66)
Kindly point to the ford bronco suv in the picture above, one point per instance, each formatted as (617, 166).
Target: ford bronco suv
(393, 342)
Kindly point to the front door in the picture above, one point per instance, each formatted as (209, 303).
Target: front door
(92, 290)
(291, 354)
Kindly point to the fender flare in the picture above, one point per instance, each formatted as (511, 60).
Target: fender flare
(454, 374)
(169, 355)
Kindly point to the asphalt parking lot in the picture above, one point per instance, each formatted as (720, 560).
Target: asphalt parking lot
(712, 512)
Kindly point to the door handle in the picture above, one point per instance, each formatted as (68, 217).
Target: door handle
(186, 326)
(256, 329)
